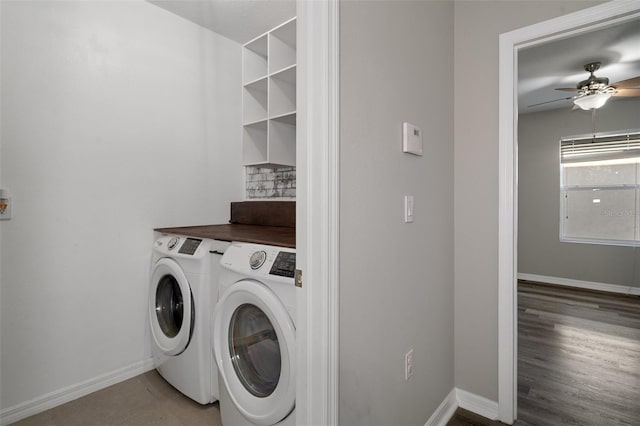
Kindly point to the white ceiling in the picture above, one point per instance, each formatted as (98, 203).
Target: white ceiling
(541, 68)
(239, 20)
(561, 64)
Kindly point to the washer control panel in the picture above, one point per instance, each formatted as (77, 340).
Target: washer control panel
(190, 246)
(180, 246)
(173, 242)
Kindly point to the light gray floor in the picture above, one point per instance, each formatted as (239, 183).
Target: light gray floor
(145, 400)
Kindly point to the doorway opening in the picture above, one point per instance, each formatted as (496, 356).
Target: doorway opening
(510, 45)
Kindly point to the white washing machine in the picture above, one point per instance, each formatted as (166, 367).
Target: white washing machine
(254, 336)
(182, 295)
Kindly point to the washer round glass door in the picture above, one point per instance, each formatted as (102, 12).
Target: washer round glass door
(170, 307)
(254, 345)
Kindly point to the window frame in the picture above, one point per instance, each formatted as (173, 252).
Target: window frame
(599, 147)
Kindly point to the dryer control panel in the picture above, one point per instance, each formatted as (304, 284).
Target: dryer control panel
(261, 261)
(284, 265)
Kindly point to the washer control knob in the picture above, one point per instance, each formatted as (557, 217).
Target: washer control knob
(257, 259)
(173, 242)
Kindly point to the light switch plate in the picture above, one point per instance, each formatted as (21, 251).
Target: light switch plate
(411, 139)
(408, 208)
(408, 364)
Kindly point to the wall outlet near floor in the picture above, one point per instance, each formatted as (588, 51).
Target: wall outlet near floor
(408, 364)
(5, 205)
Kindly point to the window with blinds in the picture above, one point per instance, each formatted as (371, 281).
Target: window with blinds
(600, 188)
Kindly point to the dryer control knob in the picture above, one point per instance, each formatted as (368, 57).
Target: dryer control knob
(257, 259)
(173, 243)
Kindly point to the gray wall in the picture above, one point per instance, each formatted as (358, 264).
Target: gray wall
(396, 279)
(477, 27)
(540, 251)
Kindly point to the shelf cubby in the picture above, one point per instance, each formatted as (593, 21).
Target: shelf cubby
(254, 59)
(282, 92)
(255, 101)
(282, 143)
(255, 142)
(282, 46)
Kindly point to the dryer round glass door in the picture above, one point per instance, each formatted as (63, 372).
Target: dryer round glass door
(254, 345)
(254, 350)
(171, 308)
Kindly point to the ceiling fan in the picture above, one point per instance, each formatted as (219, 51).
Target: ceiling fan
(594, 92)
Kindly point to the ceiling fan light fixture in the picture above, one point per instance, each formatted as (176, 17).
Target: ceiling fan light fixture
(594, 101)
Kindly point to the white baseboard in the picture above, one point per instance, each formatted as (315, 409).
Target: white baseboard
(589, 285)
(477, 404)
(463, 399)
(445, 410)
(61, 396)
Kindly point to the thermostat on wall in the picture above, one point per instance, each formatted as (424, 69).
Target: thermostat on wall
(411, 139)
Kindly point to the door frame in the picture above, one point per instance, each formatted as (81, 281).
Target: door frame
(317, 213)
(509, 45)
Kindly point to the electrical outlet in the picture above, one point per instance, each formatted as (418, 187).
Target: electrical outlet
(408, 364)
(5, 206)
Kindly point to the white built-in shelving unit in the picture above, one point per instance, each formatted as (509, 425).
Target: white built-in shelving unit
(269, 98)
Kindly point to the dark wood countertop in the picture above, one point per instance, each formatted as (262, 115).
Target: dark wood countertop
(259, 234)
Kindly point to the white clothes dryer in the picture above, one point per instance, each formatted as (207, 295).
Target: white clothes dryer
(182, 293)
(254, 336)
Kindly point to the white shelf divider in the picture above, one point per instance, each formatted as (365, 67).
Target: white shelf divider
(288, 118)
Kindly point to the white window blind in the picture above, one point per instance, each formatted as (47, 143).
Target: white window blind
(600, 188)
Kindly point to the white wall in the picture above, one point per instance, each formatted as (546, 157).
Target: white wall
(540, 251)
(396, 279)
(477, 28)
(117, 117)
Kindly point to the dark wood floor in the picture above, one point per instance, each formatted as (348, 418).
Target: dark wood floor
(578, 358)
(467, 418)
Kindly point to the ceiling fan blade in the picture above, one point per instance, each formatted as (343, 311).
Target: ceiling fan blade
(627, 92)
(567, 89)
(548, 102)
(625, 84)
